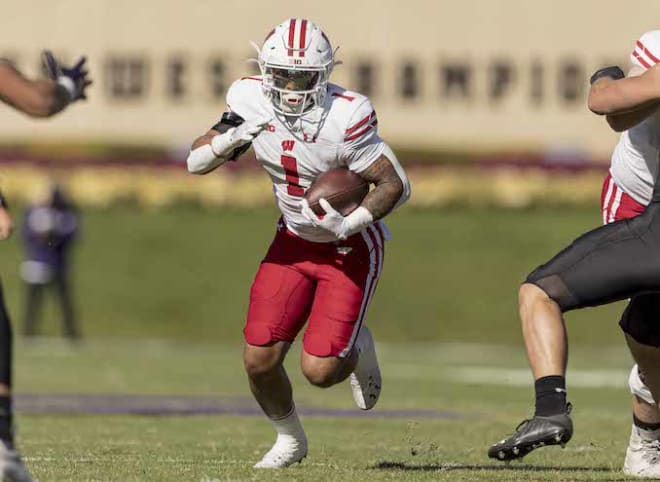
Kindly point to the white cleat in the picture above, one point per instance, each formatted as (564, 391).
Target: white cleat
(11, 466)
(286, 451)
(365, 379)
(642, 457)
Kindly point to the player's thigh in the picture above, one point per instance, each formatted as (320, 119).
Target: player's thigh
(641, 319)
(280, 300)
(342, 298)
(607, 264)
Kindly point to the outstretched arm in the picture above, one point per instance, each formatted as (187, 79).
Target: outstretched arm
(36, 98)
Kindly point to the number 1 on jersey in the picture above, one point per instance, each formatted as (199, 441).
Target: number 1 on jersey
(292, 178)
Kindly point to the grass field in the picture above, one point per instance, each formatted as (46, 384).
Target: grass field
(383, 447)
(449, 275)
(163, 294)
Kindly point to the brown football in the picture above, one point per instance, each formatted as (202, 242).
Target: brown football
(343, 189)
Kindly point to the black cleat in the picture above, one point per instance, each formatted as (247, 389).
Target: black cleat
(532, 434)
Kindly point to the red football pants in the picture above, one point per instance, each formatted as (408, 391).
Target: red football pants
(616, 204)
(329, 285)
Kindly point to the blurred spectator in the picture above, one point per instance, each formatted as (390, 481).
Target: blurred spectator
(49, 230)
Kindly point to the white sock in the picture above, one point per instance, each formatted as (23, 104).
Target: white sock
(288, 428)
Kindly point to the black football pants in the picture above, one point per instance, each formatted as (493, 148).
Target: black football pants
(613, 262)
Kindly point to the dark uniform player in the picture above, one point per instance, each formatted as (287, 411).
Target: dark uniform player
(611, 263)
(36, 98)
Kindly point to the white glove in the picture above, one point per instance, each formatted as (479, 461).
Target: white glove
(224, 144)
(333, 221)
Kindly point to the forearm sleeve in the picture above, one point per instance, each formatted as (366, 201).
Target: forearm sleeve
(202, 160)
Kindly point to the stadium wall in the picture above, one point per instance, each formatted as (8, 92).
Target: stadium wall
(469, 75)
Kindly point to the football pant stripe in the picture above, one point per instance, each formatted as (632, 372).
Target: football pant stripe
(606, 202)
(615, 204)
(375, 246)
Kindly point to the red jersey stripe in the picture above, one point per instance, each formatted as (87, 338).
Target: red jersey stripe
(292, 34)
(363, 131)
(641, 60)
(347, 97)
(361, 123)
(647, 52)
(303, 35)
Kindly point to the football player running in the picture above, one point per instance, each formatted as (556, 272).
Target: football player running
(36, 98)
(319, 269)
(627, 191)
(604, 266)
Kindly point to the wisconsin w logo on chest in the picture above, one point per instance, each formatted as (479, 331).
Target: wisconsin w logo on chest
(288, 145)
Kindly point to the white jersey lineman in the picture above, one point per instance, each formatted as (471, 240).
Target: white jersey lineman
(294, 151)
(635, 158)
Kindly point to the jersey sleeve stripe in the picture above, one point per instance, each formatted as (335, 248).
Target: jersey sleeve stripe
(251, 78)
(363, 131)
(347, 97)
(641, 60)
(361, 123)
(647, 52)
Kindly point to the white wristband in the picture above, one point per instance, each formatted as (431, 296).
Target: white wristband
(68, 85)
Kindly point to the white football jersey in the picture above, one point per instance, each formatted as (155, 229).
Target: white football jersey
(635, 158)
(343, 134)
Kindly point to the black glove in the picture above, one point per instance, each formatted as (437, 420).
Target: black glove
(613, 72)
(73, 79)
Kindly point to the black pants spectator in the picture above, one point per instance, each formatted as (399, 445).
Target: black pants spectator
(34, 300)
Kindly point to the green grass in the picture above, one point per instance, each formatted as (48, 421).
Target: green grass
(184, 273)
(162, 296)
(132, 448)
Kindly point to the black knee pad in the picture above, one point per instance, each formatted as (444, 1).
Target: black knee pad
(555, 288)
(641, 319)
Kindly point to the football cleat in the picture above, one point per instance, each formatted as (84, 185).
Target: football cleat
(365, 379)
(532, 434)
(11, 465)
(286, 451)
(642, 457)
